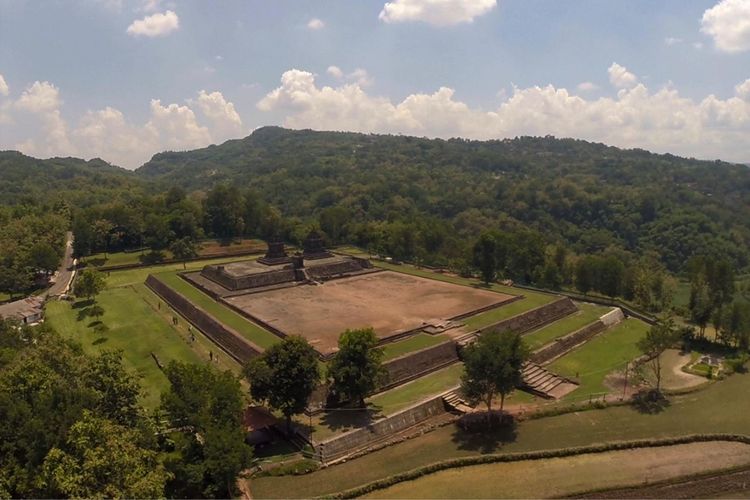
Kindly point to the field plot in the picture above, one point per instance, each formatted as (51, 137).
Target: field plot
(567, 476)
(389, 302)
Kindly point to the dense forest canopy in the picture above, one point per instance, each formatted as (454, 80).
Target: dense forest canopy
(589, 196)
(412, 198)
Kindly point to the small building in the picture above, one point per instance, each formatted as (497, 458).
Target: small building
(258, 423)
(28, 311)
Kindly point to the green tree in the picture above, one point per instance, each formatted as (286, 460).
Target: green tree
(485, 257)
(284, 376)
(492, 366)
(42, 256)
(223, 208)
(356, 369)
(658, 339)
(89, 284)
(103, 459)
(183, 249)
(211, 403)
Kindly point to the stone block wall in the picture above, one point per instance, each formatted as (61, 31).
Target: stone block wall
(225, 337)
(418, 363)
(613, 317)
(566, 343)
(325, 271)
(351, 441)
(535, 318)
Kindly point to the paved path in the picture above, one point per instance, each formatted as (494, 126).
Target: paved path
(66, 271)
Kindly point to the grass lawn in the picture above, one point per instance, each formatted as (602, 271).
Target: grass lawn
(720, 407)
(587, 314)
(413, 392)
(134, 328)
(600, 356)
(411, 344)
(245, 327)
(570, 475)
(529, 302)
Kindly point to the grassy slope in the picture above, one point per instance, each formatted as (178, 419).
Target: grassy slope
(417, 390)
(604, 353)
(714, 409)
(139, 275)
(250, 330)
(567, 476)
(587, 314)
(411, 344)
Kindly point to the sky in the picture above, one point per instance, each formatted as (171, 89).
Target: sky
(124, 79)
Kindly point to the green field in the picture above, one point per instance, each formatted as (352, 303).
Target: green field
(605, 353)
(134, 327)
(720, 407)
(571, 475)
(245, 327)
(587, 314)
(411, 344)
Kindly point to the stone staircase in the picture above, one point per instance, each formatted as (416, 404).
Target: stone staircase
(544, 383)
(454, 400)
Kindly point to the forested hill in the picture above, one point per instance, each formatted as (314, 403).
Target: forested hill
(589, 195)
(27, 180)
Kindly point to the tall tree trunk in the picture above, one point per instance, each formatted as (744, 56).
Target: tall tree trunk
(489, 410)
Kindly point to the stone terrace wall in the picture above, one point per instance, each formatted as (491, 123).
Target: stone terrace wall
(418, 363)
(271, 277)
(325, 271)
(536, 317)
(566, 343)
(339, 446)
(225, 337)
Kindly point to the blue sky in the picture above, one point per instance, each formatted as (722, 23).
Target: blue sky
(124, 79)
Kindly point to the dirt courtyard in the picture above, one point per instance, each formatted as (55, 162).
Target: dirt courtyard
(389, 302)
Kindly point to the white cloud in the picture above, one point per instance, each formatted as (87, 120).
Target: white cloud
(435, 12)
(661, 121)
(159, 24)
(359, 76)
(315, 24)
(587, 86)
(34, 124)
(670, 40)
(335, 72)
(620, 77)
(226, 122)
(697, 45)
(4, 89)
(728, 23)
(743, 90)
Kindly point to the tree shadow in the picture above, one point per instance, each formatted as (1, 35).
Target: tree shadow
(94, 324)
(97, 262)
(650, 402)
(473, 432)
(346, 418)
(100, 340)
(82, 304)
(83, 314)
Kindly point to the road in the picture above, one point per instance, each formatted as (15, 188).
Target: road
(66, 270)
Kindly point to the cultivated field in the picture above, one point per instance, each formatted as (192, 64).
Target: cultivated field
(389, 302)
(557, 477)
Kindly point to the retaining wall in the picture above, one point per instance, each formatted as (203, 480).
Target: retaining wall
(535, 318)
(224, 336)
(268, 278)
(566, 343)
(339, 446)
(415, 364)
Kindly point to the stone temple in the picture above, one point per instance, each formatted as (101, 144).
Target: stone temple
(276, 268)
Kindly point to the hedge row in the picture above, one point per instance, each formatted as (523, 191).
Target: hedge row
(533, 455)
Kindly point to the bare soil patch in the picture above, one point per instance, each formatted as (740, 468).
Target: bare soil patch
(389, 302)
